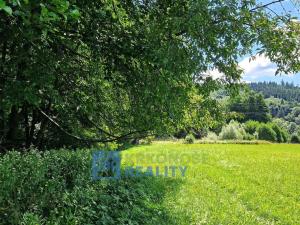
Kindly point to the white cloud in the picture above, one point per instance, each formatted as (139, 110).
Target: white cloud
(260, 66)
(262, 69)
(258, 69)
(215, 74)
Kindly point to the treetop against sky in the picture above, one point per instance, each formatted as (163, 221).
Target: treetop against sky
(262, 69)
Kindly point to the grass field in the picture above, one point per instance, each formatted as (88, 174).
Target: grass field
(226, 183)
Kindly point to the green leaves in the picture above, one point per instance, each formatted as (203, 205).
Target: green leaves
(59, 183)
(128, 68)
(75, 14)
(47, 16)
(5, 8)
(61, 9)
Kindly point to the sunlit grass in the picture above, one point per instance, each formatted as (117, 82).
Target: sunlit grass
(228, 183)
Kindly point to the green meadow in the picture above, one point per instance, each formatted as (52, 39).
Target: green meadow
(226, 183)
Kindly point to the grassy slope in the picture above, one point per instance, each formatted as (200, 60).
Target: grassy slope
(228, 184)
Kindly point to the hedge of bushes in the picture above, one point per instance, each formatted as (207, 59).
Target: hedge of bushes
(253, 130)
(55, 187)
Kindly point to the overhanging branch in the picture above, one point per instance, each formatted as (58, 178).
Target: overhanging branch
(86, 140)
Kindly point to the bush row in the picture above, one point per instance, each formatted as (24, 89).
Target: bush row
(251, 130)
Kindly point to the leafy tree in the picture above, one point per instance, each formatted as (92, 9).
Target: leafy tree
(293, 128)
(265, 132)
(262, 112)
(81, 72)
(251, 106)
(251, 126)
(294, 115)
(281, 135)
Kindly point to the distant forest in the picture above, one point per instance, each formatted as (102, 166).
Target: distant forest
(285, 90)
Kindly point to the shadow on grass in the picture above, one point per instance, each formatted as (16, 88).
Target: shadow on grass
(132, 196)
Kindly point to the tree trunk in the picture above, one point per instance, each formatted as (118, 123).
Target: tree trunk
(26, 125)
(13, 121)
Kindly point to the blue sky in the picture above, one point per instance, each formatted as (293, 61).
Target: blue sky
(262, 69)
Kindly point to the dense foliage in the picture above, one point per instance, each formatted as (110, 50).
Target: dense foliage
(282, 99)
(56, 188)
(285, 90)
(251, 126)
(79, 72)
(250, 106)
(251, 130)
(295, 139)
(253, 110)
(280, 108)
(265, 132)
(232, 131)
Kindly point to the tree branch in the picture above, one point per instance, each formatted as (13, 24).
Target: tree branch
(100, 129)
(85, 139)
(266, 5)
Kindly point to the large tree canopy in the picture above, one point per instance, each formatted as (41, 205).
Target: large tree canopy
(78, 72)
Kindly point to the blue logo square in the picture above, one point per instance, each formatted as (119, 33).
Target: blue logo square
(106, 165)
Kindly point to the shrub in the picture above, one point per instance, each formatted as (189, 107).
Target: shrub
(147, 140)
(249, 137)
(295, 139)
(36, 188)
(265, 132)
(285, 136)
(189, 139)
(278, 132)
(211, 136)
(251, 126)
(281, 134)
(232, 131)
(30, 219)
(283, 124)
